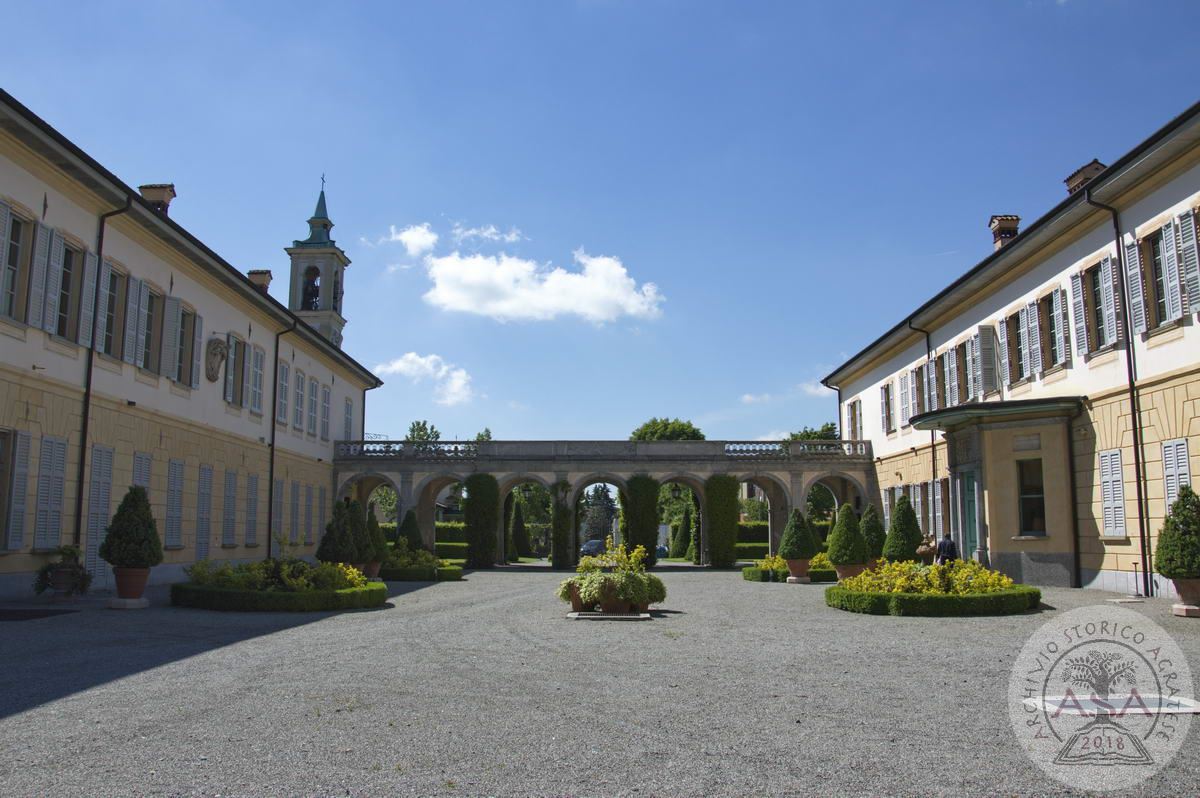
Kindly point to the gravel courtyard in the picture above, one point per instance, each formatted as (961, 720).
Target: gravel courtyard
(482, 688)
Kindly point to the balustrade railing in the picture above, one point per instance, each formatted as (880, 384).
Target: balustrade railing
(619, 450)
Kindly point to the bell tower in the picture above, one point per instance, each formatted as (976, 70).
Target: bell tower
(318, 274)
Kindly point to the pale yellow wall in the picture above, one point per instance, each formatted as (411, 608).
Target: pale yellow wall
(1001, 487)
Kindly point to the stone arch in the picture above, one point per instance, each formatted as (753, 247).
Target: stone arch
(839, 484)
(508, 483)
(360, 486)
(511, 481)
(578, 486)
(424, 497)
(779, 503)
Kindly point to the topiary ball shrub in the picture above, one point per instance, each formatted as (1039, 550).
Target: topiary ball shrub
(905, 535)
(410, 531)
(846, 545)
(132, 539)
(872, 531)
(1177, 555)
(797, 542)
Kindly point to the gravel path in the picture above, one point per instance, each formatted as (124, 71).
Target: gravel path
(482, 688)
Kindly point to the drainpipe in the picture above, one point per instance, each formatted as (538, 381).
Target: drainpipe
(1135, 404)
(271, 446)
(91, 354)
(932, 433)
(1076, 572)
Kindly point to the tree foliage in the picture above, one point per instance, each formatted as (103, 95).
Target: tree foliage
(846, 545)
(755, 509)
(826, 432)
(481, 516)
(132, 539)
(484, 435)
(384, 500)
(904, 536)
(1177, 555)
(721, 519)
(664, 429)
(872, 532)
(599, 509)
(520, 535)
(798, 542)
(641, 514)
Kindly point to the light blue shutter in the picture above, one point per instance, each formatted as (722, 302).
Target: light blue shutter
(294, 520)
(348, 421)
(887, 508)
(1176, 469)
(168, 362)
(1108, 290)
(918, 507)
(298, 401)
(133, 293)
(985, 351)
(53, 281)
(281, 393)
(1005, 374)
(1189, 263)
(883, 408)
(312, 406)
(245, 371)
(99, 503)
(174, 503)
(230, 357)
(257, 362)
(971, 368)
(325, 401)
(87, 301)
(321, 508)
(229, 510)
(1112, 493)
(931, 397)
(904, 408)
(19, 488)
(308, 515)
(37, 276)
(1079, 311)
(251, 509)
(143, 323)
(277, 508)
(1058, 308)
(141, 469)
(101, 325)
(52, 467)
(1133, 281)
(204, 512)
(952, 394)
(1171, 273)
(937, 508)
(1033, 338)
(197, 348)
(5, 229)
(1023, 342)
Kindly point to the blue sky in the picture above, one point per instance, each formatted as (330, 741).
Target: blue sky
(735, 196)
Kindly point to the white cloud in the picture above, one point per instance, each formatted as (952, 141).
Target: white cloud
(398, 267)
(773, 435)
(815, 388)
(755, 398)
(508, 288)
(452, 385)
(416, 238)
(486, 233)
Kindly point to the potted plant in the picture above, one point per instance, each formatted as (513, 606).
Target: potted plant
(568, 590)
(132, 546)
(656, 591)
(797, 546)
(66, 576)
(1177, 556)
(905, 534)
(378, 547)
(847, 549)
(873, 533)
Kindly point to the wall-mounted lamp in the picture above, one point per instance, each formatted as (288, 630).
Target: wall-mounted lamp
(131, 403)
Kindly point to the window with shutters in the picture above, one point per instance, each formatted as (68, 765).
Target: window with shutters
(258, 359)
(281, 393)
(277, 507)
(1052, 326)
(16, 247)
(904, 401)
(112, 311)
(916, 397)
(313, 387)
(236, 372)
(1155, 278)
(348, 420)
(52, 473)
(308, 515)
(150, 332)
(940, 381)
(886, 418)
(1112, 494)
(1176, 469)
(325, 400)
(229, 510)
(142, 462)
(1098, 327)
(69, 287)
(174, 526)
(1016, 347)
(854, 420)
(294, 517)
(14, 483)
(181, 369)
(1032, 498)
(960, 385)
(298, 410)
(252, 509)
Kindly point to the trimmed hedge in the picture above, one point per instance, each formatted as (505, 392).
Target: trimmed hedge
(752, 551)
(1018, 599)
(755, 574)
(822, 576)
(481, 509)
(450, 551)
(449, 573)
(721, 509)
(445, 573)
(562, 554)
(450, 532)
(753, 532)
(204, 597)
(641, 515)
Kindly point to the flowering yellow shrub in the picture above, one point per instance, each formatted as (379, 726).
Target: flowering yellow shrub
(615, 558)
(956, 578)
(772, 562)
(820, 562)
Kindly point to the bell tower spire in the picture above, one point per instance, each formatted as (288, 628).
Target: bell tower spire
(318, 273)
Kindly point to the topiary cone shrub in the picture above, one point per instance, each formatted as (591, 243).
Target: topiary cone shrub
(847, 549)
(360, 542)
(378, 545)
(520, 535)
(872, 531)
(798, 545)
(481, 516)
(683, 536)
(1177, 555)
(410, 531)
(905, 535)
(132, 545)
(335, 545)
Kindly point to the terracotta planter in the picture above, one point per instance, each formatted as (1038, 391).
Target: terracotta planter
(870, 565)
(847, 571)
(609, 602)
(798, 568)
(63, 580)
(642, 607)
(577, 604)
(371, 569)
(1189, 598)
(131, 582)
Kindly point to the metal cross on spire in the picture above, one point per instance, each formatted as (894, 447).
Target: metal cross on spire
(322, 181)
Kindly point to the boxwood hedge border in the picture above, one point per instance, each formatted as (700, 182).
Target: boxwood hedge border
(755, 574)
(228, 599)
(1014, 601)
(448, 573)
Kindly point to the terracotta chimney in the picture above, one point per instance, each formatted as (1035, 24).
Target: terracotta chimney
(159, 195)
(261, 279)
(1083, 175)
(1004, 228)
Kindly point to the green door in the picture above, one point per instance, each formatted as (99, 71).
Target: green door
(970, 525)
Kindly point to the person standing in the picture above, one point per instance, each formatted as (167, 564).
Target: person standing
(946, 550)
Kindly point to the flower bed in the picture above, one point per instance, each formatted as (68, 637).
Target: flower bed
(276, 586)
(961, 587)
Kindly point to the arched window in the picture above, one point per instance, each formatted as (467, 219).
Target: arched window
(311, 298)
(337, 292)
